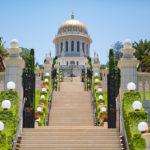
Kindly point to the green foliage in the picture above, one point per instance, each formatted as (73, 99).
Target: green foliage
(25, 52)
(90, 62)
(132, 119)
(39, 101)
(29, 62)
(101, 116)
(143, 54)
(54, 62)
(111, 61)
(3, 53)
(117, 47)
(9, 118)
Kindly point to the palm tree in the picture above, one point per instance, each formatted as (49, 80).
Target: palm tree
(2, 54)
(142, 53)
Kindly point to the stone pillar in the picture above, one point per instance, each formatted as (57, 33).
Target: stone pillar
(128, 66)
(14, 65)
(96, 64)
(48, 64)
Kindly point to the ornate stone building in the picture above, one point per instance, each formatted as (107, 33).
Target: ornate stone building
(72, 46)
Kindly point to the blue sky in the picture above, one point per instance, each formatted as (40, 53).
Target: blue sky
(34, 23)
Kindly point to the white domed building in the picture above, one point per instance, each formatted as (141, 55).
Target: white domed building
(72, 47)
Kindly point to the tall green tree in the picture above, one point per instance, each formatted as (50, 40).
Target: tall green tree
(111, 61)
(142, 54)
(117, 47)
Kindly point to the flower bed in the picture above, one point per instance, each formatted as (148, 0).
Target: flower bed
(41, 101)
(9, 118)
(132, 119)
(100, 100)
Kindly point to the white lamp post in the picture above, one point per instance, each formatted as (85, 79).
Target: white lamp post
(137, 105)
(1, 126)
(100, 97)
(142, 126)
(131, 86)
(11, 85)
(103, 109)
(47, 74)
(39, 109)
(6, 104)
(96, 74)
(44, 90)
(99, 90)
(42, 96)
(46, 80)
(96, 80)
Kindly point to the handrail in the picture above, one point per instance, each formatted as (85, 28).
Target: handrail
(123, 127)
(49, 104)
(93, 105)
(19, 124)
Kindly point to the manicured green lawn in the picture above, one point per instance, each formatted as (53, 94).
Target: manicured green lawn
(37, 98)
(147, 95)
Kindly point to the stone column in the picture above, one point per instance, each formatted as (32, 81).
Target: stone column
(48, 64)
(128, 66)
(14, 65)
(96, 64)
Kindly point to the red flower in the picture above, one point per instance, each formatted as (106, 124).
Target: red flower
(37, 116)
(145, 131)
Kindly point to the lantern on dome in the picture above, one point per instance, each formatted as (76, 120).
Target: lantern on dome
(42, 96)
(99, 90)
(11, 85)
(39, 109)
(137, 105)
(142, 126)
(44, 90)
(47, 74)
(46, 80)
(131, 86)
(100, 97)
(96, 74)
(6, 104)
(103, 109)
(96, 80)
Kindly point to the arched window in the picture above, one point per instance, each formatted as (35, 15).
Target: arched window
(83, 47)
(61, 46)
(78, 46)
(72, 46)
(72, 62)
(66, 46)
(87, 49)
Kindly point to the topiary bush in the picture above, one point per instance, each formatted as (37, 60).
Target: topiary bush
(9, 118)
(101, 116)
(132, 119)
(43, 103)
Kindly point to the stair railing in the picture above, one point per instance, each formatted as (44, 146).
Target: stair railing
(122, 125)
(49, 104)
(19, 126)
(93, 105)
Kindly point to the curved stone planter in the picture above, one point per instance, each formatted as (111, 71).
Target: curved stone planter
(146, 137)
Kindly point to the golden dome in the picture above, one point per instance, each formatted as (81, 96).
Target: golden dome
(72, 25)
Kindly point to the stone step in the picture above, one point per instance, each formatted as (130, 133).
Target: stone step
(70, 145)
(69, 148)
(114, 137)
(71, 134)
(47, 141)
(71, 129)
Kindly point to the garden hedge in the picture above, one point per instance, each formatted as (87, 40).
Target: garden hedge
(9, 118)
(132, 119)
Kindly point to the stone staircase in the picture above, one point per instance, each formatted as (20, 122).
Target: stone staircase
(71, 124)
